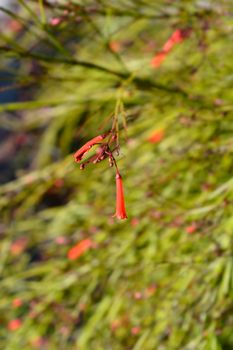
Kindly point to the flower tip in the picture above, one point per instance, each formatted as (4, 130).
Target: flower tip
(158, 59)
(120, 216)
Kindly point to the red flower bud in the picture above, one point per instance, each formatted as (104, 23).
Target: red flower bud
(120, 202)
(85, 148)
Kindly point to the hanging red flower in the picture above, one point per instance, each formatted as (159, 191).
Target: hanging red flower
(120, 202)
(105, 150)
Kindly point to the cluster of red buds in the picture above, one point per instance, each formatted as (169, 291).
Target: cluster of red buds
(177, 37)
(104, 151)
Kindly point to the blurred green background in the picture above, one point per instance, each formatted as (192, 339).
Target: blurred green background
(163, 278)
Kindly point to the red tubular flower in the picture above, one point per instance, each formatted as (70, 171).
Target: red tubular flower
(120, 202)
(177, 37)
(85, 148)
(80, 248)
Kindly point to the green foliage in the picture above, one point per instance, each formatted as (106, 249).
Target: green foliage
(163, 279)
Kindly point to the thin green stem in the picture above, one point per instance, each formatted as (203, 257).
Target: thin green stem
(42, 11)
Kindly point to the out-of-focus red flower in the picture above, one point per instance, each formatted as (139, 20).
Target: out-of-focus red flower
(58, 183)
(79, 249)
(79, 154)
(149, 291)
(17, 302)
(55, 21)
(134, 222)
(38, 342)
(191, 229)
(177, 222)
(115, 325)
(115, 46)
(61, 240)
(64, 331)
(120, 202)
(15, 26)
(18, 246)
(156, 214)
(156, 136)
(177, 37)
(137, 295)
(135, 330)
(14, 324)
(123, 321)
(83, 307)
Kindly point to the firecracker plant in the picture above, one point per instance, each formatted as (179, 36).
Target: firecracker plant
(140, 90)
